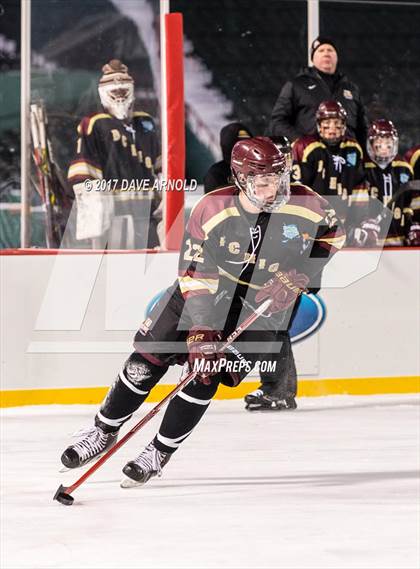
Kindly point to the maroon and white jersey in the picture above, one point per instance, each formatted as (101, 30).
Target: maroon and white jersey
(228, 249)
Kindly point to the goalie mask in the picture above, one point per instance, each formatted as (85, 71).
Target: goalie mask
(116, 89)
(262, 170)
(331, 120)
(382, 143)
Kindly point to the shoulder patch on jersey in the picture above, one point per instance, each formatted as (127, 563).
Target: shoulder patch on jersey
(146, 120)
(351, 158)
(352, 143)
(148, 125)
(402, 164)
(290, 231)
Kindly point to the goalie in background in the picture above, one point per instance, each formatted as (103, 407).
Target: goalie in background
(113, 171)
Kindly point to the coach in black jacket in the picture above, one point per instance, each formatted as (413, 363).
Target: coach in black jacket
(220, 174)
(294, 112)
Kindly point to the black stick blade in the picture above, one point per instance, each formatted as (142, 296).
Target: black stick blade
(62, 496)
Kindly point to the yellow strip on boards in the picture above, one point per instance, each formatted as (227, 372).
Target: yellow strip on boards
(307, 388)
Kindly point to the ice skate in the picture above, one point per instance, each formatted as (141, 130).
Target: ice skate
(149, 463)
(264, 400)
(94, 442)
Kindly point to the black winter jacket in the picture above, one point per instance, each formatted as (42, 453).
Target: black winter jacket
(294, 112)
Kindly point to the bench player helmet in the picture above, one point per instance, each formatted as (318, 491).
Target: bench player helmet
(258, 162)
(116, 89)
(382, 142)
(331, 118)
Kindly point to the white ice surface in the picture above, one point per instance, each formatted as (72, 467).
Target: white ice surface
(334, 484)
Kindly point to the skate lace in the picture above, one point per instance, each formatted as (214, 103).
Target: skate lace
(94, 441)
(151, 459)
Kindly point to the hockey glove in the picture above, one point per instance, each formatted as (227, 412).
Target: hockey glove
(202, 344)
(367, 234)
(413, 236)
(283, 289)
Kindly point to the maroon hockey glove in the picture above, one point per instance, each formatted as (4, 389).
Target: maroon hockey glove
(413, 236)
(283, 289)
(367, 234)
(202, 344)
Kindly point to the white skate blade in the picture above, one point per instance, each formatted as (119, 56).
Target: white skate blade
(130, 483)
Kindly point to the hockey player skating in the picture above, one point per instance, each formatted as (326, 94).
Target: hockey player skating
(278, 389)
(261, 238)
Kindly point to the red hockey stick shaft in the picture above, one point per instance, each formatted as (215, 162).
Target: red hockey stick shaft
(231, 338)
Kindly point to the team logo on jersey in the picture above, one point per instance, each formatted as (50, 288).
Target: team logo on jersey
(309, 317)
(290, 231)
(404, 178)
(347, 94)
(147, 125)
(338, 162)
(352, 158)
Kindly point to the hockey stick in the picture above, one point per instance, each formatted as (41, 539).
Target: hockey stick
(63, 494)
(39, 159)
(42, 162)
